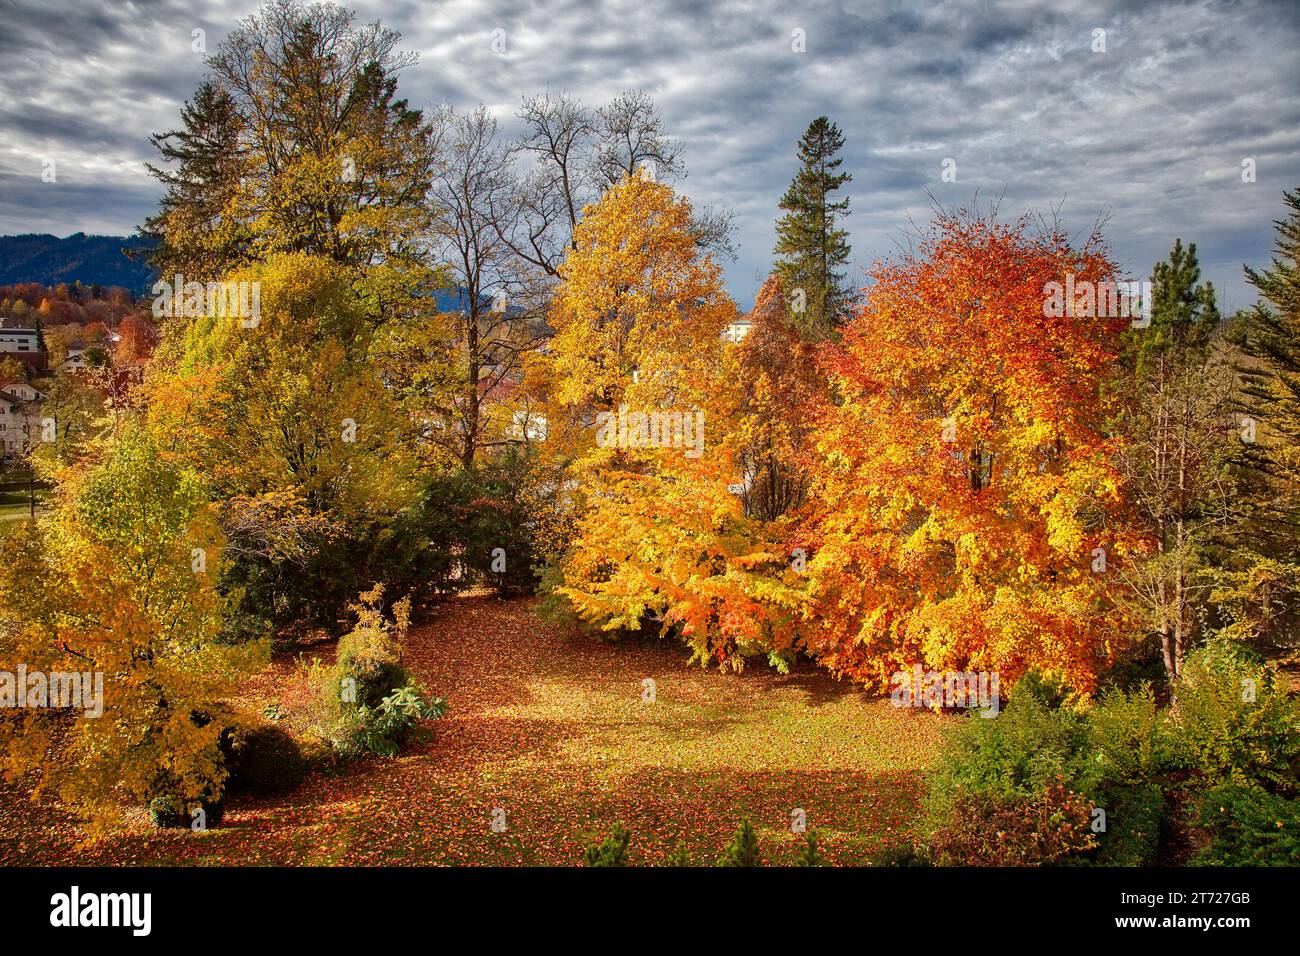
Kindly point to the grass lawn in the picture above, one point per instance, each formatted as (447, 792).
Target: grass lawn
(552, 730)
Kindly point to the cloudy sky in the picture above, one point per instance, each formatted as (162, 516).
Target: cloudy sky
(1153, 130)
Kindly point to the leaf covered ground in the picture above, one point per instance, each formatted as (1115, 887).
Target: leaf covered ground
(552, 729)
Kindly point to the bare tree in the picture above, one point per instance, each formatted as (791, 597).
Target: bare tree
(474, 202)
(580, 154)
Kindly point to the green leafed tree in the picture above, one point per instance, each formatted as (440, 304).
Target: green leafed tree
(811, 250)
(1265, 578)
(1176, 457)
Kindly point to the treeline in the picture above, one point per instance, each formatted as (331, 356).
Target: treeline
(96, 260)
(65, 303)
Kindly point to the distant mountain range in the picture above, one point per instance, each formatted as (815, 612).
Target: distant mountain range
(50, 260)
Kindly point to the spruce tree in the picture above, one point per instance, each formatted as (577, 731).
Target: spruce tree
(1267, 341)
(811, 251)
(194, 237)
(743, 850)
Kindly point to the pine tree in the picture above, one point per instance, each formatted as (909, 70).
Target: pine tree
(1183, 311)
(193, 238)
(810, 248)
(1267, 340)
(612, 851)
(810, 853)
(743, 849)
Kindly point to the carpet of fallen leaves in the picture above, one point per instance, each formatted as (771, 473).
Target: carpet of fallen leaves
(552, 729)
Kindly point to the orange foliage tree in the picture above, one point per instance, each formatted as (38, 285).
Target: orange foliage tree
(962, 505)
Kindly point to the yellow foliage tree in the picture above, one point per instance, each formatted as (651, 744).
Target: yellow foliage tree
(118, 585)
(642, 392)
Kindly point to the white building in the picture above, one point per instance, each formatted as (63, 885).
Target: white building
(20, 417)
(18, 340)
(737, 330)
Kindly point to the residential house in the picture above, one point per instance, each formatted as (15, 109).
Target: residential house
(20, 417)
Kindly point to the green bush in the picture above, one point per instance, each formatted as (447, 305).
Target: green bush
(385, 729)
(357, 706)
(370, 655)
(1249, 827)
(507, 502)
(1133, 822)
(1019, 753)
(1234, 721)
(265, 757)
(172, 813)
(743, 850)
(612, 851)
(1128, 739)
(1050, 827)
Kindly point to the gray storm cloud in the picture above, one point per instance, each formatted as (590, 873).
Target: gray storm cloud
(1152, 131)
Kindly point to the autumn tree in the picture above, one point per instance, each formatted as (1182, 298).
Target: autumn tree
(962, 473)
(639, 405)
(782, 383)
(297, 142)
(310, 418)
(307, 451)
(118, 584)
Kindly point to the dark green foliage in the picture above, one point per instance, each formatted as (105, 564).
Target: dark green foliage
(611, 851)
(387, 728)
(901, 856)
(743, 850)
(1129, 740)
(90, 260)
(265, 758)
(1023, 750)
(373, 678)
(1267, 343)
(467, 516)
(1184, 314)
(1133, 824)
(1036, 766)
(810, 248)
(171, 813)
(1249, 827)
